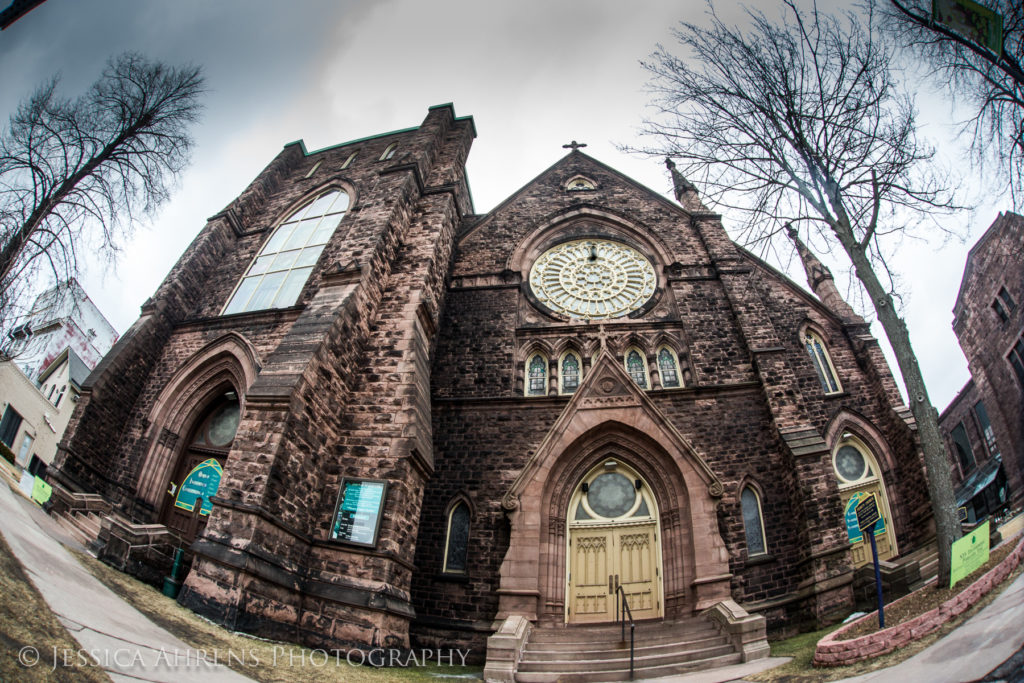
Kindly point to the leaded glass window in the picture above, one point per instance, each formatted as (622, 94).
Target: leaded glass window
(822, 363)
(456, 547)
(276, 277)
(752, 521)
(668, 368)
(636, 366)
(537, 376)
(569, 373)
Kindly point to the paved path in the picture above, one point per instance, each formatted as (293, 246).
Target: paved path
(978, 646)
(129, 645)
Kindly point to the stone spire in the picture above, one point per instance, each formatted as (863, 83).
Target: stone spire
(819, 277)
(686, 192)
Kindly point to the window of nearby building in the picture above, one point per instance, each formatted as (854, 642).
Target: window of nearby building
(753, 523)
(60, 395)
(668, 367)
(1016, 359)
(276, 277)
(636, 366)
(389, 152)
(963, 448)
(822, 363)
(997, 306)
(9, 425)
(456, 545)
(569, 373)
(537, 375)
(986, 429)
(26, 444)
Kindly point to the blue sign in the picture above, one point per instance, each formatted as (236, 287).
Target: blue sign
(852, 528)
(202, 482)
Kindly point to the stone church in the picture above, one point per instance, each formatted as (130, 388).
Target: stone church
(374, 417)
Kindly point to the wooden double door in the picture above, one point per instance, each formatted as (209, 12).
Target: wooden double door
(601, 558)
(860, 542)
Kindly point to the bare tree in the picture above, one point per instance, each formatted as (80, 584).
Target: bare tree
(800, 122)
(990, 81)
(75, 174)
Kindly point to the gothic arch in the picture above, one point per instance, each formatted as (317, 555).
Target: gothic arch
(848, 420)
(229, 363)
(610, 415)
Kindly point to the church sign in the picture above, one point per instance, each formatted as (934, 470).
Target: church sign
(202, 482)
(969, 553)
(357, 517)
(853, 527)
(867, 513)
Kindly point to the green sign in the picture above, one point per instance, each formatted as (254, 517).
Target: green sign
(976, 23)
(358, 515)
(969, 553)
(202, 482)
(41, 491)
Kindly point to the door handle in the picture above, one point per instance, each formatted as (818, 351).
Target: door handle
(610, 589)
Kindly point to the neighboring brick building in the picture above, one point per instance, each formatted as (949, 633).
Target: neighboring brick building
(984, 424)
(589, 385)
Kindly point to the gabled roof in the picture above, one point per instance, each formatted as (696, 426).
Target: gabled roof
(77, 370)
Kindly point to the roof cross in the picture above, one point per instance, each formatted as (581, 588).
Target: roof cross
(574, 145)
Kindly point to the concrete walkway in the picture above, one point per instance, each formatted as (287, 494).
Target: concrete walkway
(129, 646)
(978, 646)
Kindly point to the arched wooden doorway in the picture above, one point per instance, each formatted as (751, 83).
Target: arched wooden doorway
(859, 476)
(613, 541)
(196, 477)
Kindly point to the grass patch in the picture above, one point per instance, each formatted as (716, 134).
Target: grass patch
(801, 647)
(261, 660)
(26, 621)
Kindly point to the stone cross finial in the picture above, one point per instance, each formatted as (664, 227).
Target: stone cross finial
(574, 145)
(602, 337)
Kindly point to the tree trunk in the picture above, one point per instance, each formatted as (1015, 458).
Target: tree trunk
(940, 487)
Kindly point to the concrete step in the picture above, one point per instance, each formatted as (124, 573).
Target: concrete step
(613, 632)
(89, 523)
(582, 674)
(582, 642)
(678, 651)
(73, 530)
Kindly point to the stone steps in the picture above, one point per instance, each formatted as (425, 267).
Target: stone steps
(598, 653)
(83, 527)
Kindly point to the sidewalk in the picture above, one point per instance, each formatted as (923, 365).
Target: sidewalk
(131, 646)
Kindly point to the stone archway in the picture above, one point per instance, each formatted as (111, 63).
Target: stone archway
(608, 413)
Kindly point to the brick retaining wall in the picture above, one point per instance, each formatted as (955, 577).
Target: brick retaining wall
(833, 651)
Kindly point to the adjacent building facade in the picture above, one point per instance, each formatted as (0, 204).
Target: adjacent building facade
(51, 353)
(382, 419)
(984, 424)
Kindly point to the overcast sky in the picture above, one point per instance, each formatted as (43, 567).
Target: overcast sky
(534, 75)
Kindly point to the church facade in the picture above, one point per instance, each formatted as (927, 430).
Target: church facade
(377, 418)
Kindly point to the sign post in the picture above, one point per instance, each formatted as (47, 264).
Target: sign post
(867, 518)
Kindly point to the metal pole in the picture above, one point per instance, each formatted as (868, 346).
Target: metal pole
(878, 577)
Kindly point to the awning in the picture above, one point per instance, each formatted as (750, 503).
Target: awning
(978, 480)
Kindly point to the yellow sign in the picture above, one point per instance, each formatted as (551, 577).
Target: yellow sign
(41, 491)
(969, 553)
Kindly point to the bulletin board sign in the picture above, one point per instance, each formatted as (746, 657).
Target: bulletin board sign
(359, 510)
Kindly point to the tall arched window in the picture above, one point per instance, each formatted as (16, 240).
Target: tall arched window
(668, 368)
(753, 522)
(537, 375)
(276, 277)
(822, 363)
(570, 373)
(456, 543)
(636, 366)
(389, 153)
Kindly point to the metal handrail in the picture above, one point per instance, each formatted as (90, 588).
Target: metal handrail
(632, 624)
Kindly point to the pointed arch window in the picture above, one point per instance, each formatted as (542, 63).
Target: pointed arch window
(389, 152)
(636, 366)
(753, 521)
(456, 543)
(668, 368)
(822, 363)
(537, 375)
(570, 373)
(276, 277)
